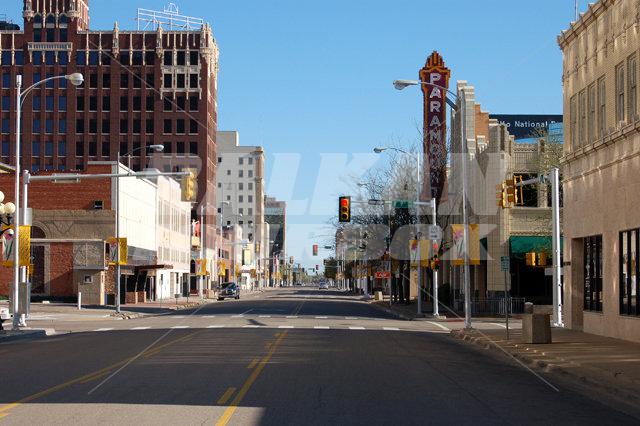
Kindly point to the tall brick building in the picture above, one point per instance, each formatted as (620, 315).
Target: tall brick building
(141, 88)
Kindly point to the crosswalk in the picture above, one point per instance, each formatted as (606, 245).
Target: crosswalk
(260, 326)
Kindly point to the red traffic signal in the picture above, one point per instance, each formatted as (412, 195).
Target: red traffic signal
(344, 213)
(315, 249)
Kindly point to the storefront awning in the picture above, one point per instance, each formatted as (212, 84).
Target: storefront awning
(519, 245)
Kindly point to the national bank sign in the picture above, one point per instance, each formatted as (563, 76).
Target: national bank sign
(523, 126)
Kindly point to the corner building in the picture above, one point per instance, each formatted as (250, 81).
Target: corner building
(141, 88)
(601, 170)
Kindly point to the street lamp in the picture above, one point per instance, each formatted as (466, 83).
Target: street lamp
(459, 109)
(76, 79)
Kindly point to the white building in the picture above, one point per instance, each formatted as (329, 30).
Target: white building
(240, 192)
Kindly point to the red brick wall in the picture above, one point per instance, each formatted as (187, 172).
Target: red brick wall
(61, 270)
(63, 196)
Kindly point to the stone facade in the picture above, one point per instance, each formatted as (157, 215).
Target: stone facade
(601, 169)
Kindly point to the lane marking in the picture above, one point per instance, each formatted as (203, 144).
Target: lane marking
(246, 312)
(178, 317)
(180, 326)
(390, 328)
(226, 396)
(322, 317)
(237, 316)
(253, 363)
(94, 377)
(250, 326)
(265, 316)
(286, 326)
(440, 326)
(351, 318)
(216, 326)
(498, 324)
(140, 328)
(357, 328)
(321, 327)
(226, 416)
(104, 329)
(292, 316)
(208, 316)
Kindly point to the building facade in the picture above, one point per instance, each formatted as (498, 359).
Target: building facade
(240, 192)
(276, 217)
(141, 88)
(601, 170)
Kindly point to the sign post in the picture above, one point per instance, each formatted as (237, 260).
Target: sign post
(505, 266)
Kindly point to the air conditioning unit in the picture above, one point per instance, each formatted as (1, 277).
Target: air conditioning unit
(98, 205)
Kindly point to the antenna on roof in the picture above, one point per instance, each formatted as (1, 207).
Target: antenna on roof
(169, 19)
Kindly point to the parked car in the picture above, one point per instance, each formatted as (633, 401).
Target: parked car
(228, 290)
(323, 286)
(4, 315)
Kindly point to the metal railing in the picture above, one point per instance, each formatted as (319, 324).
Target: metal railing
(493, 306)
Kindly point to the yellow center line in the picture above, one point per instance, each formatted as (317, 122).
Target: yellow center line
(226, 416)
(95, 376)
(226, 396)
(253, 363)
(82, 379)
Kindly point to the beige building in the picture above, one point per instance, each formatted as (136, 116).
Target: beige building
(494, 156)
(601, 170)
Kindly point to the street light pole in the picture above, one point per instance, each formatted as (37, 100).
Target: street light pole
(465, 219)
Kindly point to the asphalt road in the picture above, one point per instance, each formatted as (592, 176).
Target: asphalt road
(284, 357)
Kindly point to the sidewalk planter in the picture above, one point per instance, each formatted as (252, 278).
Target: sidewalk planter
(536, 328)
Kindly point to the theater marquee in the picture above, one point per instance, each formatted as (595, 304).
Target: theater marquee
(435, 120)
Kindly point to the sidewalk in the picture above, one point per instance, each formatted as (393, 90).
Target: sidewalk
(610, 364)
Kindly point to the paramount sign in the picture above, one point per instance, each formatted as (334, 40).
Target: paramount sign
(436, 75)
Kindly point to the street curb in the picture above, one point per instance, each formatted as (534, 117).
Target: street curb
(23, 335)
(612, 383)
(398, 315)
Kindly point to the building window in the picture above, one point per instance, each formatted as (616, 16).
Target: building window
(106, 103)
(180, 102)
(593, 273)
(62, 148)
(194, 56)
(93, 148)
(106, 81)
(137, 125)
(35, 148)
(240, 173)
(250, 198)
(193, 127)
(250, 186)
(5, 125)
(62, 103)
(81, 58)
(240, 186)
(93, 103)
(167, 126)
(149, 103)
(150, 59)
(93, 81)
(137, 103)
(632, 83)
(80, 125)
(168, 81)
(181, 58)
(167, 105)
(62, 126)
(193, 148)
(106, 126)
(240, 161)
(180, 148)
(149, 126)
(250, 173)
(6, 148)
(180, 126)
(180, 81)
(124, 125)
(48, 125)
(80, 103)
(48, 103)
(591, 119)
(168, 58)
(124, 81)
(582, 105)
(48, 148)
(93, 126)
(620, 83)
(193, 81)
(193, 103)
(105, 149)
(573, 119)
(124, 103)
(629, 272)
(250, 160)
(37, 103)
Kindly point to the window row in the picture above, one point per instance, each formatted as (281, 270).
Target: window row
(179, 81)
(49, 148)
(49, 126)
(135, 104)
(105, 126)
(240, 186)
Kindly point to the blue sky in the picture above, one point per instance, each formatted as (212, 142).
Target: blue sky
(311, 81)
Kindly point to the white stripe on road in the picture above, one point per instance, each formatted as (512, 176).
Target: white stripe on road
(216, 326)
(178, 317)
(237, 316)
(286, 326)
(265, 316)
(440, 326)
(390, 328)
(322, 317)
(321, 327)
(141, 328)
(357, 328)
(292, 316)
(498, 324)
(104, 329)
(351, 318)
(180, 326)
(209, 316)
(250, 326)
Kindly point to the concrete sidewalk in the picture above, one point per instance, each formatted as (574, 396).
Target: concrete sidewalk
(609, 364)
(410, 313)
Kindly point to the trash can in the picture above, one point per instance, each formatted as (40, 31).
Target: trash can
(536, 328)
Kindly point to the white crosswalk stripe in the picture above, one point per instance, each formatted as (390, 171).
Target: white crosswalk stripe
(321, 327)
(141, 328)
(216, 326)
(292, 316)
(250, 326)
(321, 317)
(390, 328)
(104, 329)
(351, 318)
(265, 316)
(357, 328)
(180, 326)
(286, 326)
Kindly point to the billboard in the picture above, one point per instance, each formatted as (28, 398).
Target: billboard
(523, 126)
(436, 78)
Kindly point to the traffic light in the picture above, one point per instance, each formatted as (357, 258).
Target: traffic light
(189, 186)
(530, 259)
(315, 249)
(514, 192)
(501, 195)
(344, 214)
(317, 267)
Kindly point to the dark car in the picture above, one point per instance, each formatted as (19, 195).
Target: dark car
(228, 290)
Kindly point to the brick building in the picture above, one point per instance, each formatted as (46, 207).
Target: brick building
(141, 88)
(601, 170)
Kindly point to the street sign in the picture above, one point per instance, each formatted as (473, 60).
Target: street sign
(383, 274)
(402, 204)
(505, 263)
(374, 202)
(434, 232)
